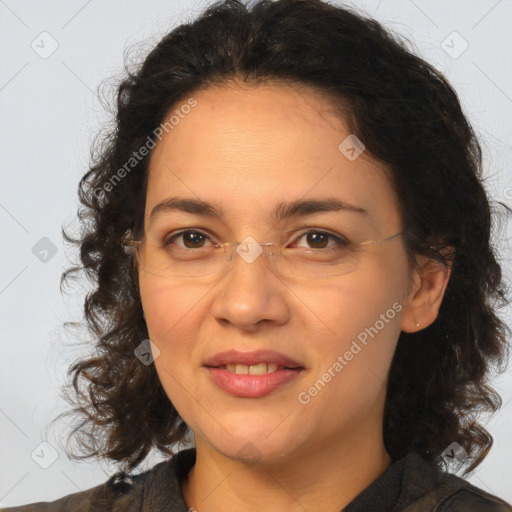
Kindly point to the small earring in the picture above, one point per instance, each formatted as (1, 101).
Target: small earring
(417, 324)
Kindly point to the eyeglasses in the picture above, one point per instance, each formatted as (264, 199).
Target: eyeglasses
(168, 260)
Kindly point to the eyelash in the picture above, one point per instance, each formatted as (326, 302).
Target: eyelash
(340, 240)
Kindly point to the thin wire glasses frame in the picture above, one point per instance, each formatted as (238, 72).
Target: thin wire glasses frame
(306, 263)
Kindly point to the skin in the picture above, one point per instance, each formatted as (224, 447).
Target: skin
(247, 148)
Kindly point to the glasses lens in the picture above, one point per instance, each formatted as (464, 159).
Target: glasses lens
(164, 262)
(215, 260)
(313, 264)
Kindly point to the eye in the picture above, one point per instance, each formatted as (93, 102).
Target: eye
(192, 239)
(319, 239)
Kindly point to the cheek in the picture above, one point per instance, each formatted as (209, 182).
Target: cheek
(167, 308)
(172, 319)
(354, 352)
(356, 301)
(360, 318)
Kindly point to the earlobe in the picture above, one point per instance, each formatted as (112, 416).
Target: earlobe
(426, 295)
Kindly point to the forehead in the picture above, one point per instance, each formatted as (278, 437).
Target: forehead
(250, 148)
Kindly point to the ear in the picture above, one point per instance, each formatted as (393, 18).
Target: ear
(429, 282)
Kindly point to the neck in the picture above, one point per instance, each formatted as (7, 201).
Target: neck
(313, 479)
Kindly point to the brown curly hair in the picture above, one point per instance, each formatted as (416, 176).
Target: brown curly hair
(406, 114)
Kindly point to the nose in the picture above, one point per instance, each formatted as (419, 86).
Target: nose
(250, 292)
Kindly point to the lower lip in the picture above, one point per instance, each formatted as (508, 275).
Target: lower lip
(251, 386)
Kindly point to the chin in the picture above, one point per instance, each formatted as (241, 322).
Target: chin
(253, 446)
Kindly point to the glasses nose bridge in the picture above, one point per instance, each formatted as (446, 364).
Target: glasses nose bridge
(250, 250)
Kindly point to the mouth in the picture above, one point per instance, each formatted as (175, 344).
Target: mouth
(247, 385)
(254, 369)
(252, 374)
(257, 361)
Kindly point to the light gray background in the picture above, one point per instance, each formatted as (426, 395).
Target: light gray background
(49, 115)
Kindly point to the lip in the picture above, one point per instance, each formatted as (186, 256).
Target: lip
(251, 358)
(252, 386)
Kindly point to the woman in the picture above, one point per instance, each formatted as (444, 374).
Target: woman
(289, 237)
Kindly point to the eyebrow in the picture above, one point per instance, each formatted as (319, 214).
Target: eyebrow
(282, 210)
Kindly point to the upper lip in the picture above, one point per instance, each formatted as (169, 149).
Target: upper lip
(251, 358)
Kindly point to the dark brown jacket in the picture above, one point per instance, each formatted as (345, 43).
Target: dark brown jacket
(408, 485)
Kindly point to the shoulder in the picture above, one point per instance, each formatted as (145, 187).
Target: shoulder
(100, 498)
(125, 493)
(469, 498)
(439, 491)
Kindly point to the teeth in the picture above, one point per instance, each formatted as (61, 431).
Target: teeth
(258, 369)
(242, 369)
(255, 369)
(272, 367)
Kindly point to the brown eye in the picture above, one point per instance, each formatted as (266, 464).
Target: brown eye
(320, 239)
(191, 239)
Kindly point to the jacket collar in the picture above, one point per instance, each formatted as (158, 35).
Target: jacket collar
(406, 481)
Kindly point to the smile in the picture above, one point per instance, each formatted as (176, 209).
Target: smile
(254, 381)
(254, 369)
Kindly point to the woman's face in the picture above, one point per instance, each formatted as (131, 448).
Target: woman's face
(246, 150)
